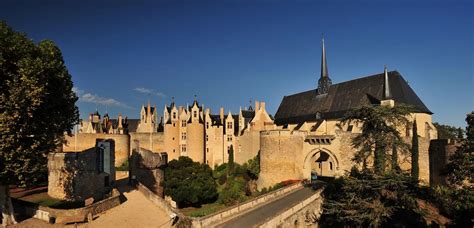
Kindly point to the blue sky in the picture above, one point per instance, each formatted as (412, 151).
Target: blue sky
(122, 53)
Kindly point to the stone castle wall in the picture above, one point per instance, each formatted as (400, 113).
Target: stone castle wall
(248, 146)
(86, 141)
(285, 155)
(75, 176)
(280, 156)
(147, 140)
(439, 152)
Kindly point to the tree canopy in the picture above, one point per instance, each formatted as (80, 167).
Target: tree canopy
(448, 131)
(37, 105)
(379, 133)
(189, 183)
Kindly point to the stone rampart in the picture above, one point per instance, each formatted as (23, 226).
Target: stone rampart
(85, 141)
(439, 152)
(302, 214)
(147, 140)
(280, 156)
(64, 216)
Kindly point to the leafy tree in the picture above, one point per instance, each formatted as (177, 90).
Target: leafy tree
(37, 105)
(253, 166)
(189, 183)
(448, 131)
(379, 132)
(415, 169)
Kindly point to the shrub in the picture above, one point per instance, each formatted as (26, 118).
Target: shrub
(123, 167)
(233, 192)
(189, 183)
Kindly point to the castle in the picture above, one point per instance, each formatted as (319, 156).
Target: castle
(190, 131)
(306, 136)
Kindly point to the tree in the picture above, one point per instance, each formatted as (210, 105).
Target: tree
(231, 161)
(448, 131)
(189, 183)
(415, 169)
(37, 105)
(379, 132)
(460, 169)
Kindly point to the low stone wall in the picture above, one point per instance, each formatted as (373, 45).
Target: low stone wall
(298, 213)
(213, 219)
(160, 202)
(64, 216)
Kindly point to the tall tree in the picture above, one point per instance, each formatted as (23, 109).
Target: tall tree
(415, 169)
(231, 161)
(37, 105)
(379, 132)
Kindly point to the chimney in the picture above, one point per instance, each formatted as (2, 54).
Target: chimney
(262, 105)
(208, 111)
(221, 114)
(257, 106)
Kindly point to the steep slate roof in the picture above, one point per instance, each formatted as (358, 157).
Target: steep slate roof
(345, 96)
(248, 114)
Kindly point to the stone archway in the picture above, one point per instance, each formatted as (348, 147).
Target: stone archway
(321, 162)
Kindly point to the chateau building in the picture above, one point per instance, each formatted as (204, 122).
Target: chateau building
(311, 138)
(208, 138)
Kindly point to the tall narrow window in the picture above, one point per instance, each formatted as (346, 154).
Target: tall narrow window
(330, 165)
(195, 114)
(183, 123)
(174, 115)
(229, 125)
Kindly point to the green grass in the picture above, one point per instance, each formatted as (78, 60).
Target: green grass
(44, 199)
(205, 209)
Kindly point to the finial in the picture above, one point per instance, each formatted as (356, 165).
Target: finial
(195, 97)
(386, 89)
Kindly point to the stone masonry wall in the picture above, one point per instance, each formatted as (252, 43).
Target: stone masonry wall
(85, 141)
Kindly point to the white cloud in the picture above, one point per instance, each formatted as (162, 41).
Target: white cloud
(149, 92)
(94, 98)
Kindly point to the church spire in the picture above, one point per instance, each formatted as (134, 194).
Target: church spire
(324, 66)
(324, 81)
(386, 86)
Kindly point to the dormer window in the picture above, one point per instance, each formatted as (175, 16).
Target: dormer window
(229, 125)
(195, 114)
(207, 125)
(174, 115)
(183, 123)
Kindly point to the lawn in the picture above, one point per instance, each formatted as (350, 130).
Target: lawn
(44, 199)
(205, 209)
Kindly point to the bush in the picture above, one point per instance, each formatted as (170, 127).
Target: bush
(189, 183)
(123, 167)
(233, 192)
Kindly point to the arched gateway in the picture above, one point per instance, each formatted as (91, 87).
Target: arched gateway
(320, 162)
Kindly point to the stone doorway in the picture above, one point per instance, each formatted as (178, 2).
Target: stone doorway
(323, 165)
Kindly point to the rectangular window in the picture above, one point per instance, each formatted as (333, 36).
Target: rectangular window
(183, 148)
(183, 136)
(350, 128)
(207, 138)
(207, 125)
(229, 125)
(183, 123)
(195, 114)
(207, 150)
(174, 115)
(229, 138)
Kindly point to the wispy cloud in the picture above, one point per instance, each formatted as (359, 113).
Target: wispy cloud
(96, 99)
(149, 92)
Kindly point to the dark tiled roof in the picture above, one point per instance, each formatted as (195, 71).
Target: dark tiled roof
(216, 120)
(345, 96)
(248, 114)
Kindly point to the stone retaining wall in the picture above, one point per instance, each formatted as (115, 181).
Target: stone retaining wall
(157, 200)
(299, 214)
(64, 216)
(218, 217)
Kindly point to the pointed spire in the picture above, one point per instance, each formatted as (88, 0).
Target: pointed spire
(148, 108)
(324, 81)
(386, 86)
(324, 66)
